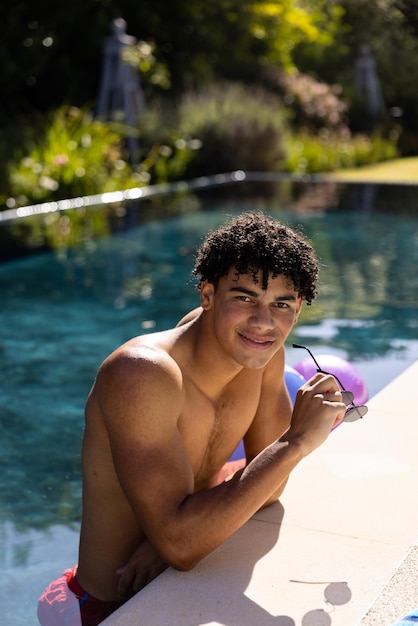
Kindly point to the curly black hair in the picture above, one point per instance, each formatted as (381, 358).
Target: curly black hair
(252, 242)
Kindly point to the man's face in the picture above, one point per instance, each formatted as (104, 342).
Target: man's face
(251, 323)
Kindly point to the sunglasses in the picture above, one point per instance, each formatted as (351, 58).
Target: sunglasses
(353, 412)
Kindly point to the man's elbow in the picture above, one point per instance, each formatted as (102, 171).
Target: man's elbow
(275, 496)
(184, 565)
(268, 502)
(278, 492)
(183, 562)
(180, 557)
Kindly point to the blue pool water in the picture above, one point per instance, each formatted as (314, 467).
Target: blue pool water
(62, 313)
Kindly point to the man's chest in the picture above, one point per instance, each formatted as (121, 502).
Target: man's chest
(211, 430)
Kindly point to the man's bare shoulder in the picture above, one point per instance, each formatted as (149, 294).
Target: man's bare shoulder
(140, 365)
(144, 351)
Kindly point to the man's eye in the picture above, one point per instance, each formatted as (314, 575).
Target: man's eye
(281, 305)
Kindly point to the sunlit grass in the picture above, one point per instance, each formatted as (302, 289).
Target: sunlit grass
(397, 171)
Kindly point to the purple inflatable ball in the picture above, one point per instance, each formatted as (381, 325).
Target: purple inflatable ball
(347, 373)
(294, 380)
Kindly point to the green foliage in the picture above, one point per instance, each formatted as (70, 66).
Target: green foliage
(237, 127)
(221, 129)
(182, 47)
(169, 160)
(195, 41)
(285, 25)
(164, 150)
(390, 29)
(73, 155)
(141, 56)
(327, 151)
(76, 155)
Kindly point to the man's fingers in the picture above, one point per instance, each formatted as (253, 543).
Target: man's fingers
(125, 585)
(323, 380)
(122, 586)
(330, 395)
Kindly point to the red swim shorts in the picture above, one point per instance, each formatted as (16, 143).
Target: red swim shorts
(65, 603)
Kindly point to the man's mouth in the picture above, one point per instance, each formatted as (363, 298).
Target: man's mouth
(256, 342)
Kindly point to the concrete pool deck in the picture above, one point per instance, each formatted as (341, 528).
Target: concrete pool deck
(340, 548)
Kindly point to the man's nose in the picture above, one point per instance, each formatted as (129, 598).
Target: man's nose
(262, 317)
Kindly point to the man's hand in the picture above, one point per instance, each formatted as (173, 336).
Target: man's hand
(144, 565)
(318, 409)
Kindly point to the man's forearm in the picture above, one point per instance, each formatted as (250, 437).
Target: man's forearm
(205, 519)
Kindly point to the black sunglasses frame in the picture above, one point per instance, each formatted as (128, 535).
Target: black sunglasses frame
(353, 413)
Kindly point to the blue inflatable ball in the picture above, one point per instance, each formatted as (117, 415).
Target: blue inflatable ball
(239, 452)
(294, 380)
(347, 374)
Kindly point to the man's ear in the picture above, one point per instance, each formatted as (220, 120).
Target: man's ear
(207, 291)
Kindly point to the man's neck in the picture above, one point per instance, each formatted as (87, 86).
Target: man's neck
(208, 367)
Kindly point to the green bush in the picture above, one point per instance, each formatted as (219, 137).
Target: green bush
(222, 129)
(163, 149)
(237, 127)
(73, 155)
(228, 127)
(326, 151)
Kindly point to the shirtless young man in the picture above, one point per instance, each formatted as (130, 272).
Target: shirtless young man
(168, 409)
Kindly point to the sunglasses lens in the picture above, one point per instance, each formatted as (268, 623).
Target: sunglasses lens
(348, 397)
(355, 413)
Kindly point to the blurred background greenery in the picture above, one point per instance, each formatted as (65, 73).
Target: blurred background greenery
(228, 84)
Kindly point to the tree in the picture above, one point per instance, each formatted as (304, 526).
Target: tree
(52, 56)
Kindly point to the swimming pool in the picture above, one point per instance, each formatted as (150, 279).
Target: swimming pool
(62, 313)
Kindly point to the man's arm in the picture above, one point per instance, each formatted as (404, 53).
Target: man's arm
(273, 415)
(141, 401)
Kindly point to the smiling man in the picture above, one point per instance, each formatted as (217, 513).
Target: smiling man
(167, 410)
